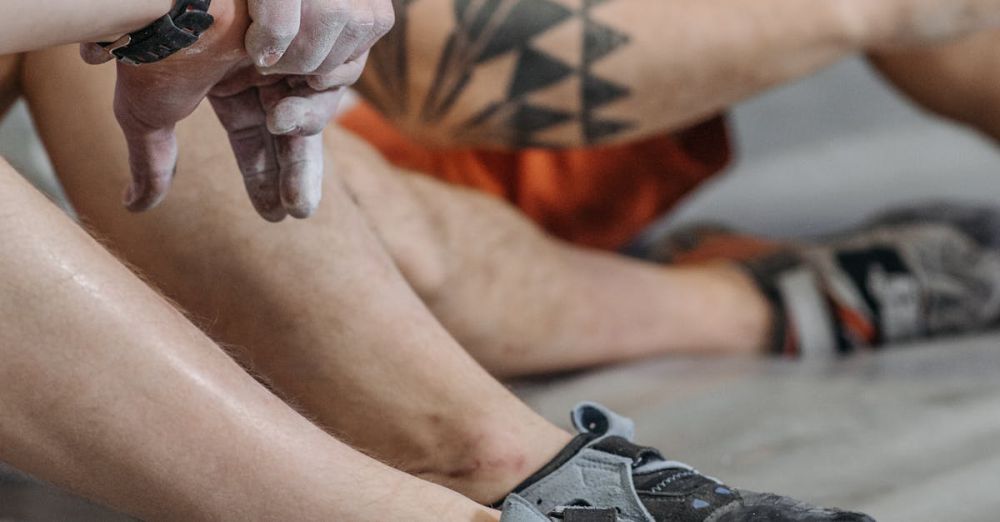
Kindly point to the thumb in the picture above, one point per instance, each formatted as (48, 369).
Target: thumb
(94, 54)
(152, 158)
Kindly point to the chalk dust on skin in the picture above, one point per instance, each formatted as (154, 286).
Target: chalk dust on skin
(194, 50)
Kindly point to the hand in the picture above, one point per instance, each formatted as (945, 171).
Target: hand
(274, 122)
(328, 40)
(275, 127)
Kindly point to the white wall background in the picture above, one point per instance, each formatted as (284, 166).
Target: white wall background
(826, 152)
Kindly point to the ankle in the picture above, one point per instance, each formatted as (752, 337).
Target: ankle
(486, 460)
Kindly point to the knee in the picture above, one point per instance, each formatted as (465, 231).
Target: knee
(410, 232)
(398, 214)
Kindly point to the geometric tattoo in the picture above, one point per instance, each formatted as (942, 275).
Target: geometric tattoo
(599, 41)
(487, 30)
(389, 64)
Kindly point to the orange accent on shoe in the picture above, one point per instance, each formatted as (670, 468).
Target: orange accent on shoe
(791, 348)
(856, 325)
(726, 247)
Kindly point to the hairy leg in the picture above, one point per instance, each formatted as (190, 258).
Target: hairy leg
(109, 391)
(523, 302)
(318, 305)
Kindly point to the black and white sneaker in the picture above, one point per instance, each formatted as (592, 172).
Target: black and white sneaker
(911, 274)
(602, 476)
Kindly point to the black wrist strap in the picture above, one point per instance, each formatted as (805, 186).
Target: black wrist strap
(177, 30)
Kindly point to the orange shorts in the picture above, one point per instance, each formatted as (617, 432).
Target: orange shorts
(600, 197)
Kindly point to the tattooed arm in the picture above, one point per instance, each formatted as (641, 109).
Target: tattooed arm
(569, 72)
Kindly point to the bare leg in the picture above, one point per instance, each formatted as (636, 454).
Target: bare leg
(523, 302)
(318, 305)
(110, 392)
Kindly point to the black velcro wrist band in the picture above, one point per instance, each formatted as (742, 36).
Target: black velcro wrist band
(177, 30)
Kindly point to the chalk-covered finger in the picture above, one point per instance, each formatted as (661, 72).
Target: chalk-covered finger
(275, 24)
(357, 30)
(304, 115)
(300, 159)
(244, 119)
(383, 20)
(323, 21)
(343, 76)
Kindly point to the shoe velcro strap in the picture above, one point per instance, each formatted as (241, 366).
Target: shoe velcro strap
(625, 448)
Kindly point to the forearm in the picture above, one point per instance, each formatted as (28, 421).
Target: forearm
(960, 80)
(37, 25)
(647, 65)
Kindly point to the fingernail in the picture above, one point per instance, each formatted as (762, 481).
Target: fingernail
(301, 211)
(131, 194)
(315, 83)
(270, 58)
